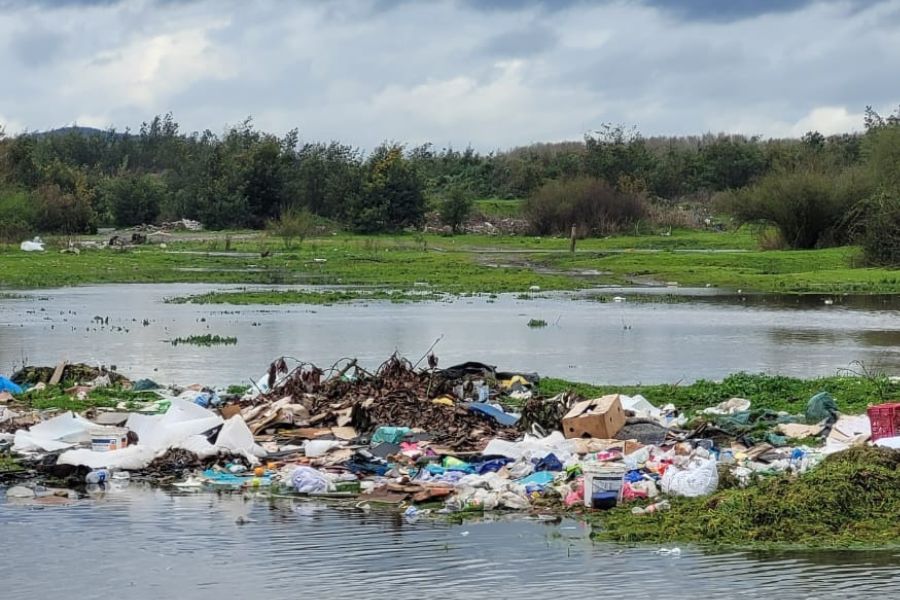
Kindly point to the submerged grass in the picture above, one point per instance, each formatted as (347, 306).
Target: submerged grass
(773, 392)
(851, 499)
(312, 297)
(205, 340)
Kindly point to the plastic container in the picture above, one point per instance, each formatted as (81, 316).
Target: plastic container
(885, 420)
(602, 483)
(97, 476)
(108, 438)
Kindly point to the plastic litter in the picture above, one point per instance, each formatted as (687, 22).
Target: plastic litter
(35, 245)
(307, 480)
(698, 479)
(7, 385)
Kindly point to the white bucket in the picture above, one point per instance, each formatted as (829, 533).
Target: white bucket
(602, 478)
(108, 438)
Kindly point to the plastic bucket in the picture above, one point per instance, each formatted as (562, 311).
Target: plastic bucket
(605, 480)
(108, 439)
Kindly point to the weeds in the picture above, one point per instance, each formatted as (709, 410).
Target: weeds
(205, 340)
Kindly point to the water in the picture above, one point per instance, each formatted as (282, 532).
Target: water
(145, 544)
(700, 336)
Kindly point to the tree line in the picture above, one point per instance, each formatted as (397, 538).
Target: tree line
(74, 180)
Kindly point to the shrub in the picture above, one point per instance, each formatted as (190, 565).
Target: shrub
(807, 208)
(293, 225)
(876, 227)
(63, 212)
(590, 204)
(17, 216)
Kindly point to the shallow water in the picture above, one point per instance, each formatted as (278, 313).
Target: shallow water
(144, 544)
(704, 335)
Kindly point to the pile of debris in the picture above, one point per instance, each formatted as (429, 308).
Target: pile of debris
(407, 434)
(441, 402)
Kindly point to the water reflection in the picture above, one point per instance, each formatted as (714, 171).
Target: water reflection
(189, 546)
(701, 336)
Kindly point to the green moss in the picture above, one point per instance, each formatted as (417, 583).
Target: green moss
(852, 499)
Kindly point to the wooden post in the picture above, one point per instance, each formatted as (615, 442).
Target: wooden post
(572, 240)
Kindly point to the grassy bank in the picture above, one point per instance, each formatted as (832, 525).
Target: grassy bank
(850, 500)
(458, 265)
(769, 392)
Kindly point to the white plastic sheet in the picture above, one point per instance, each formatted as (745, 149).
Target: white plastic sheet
(180, 427)
(534, 447)
(316, 448)
(728, 407)
(890, 442)
(58, 433)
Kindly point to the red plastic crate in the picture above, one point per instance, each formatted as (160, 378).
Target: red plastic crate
(885, 420)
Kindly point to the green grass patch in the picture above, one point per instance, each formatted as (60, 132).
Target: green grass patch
(766, 392)
(461, 264)
(55, 397)
(205, 340)
(851, 499)
(495, 208)
(537, 323)
(8, 464)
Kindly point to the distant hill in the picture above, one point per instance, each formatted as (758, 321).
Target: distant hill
(77, 129)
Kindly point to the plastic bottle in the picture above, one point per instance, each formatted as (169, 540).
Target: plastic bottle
(97, 476)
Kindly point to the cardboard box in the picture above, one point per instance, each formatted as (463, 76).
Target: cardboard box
(598, 418)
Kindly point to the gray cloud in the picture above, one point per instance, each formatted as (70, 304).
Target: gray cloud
(520, 43)
(36, 47)
(494, 74)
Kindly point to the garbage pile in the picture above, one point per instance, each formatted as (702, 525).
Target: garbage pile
(426, 438)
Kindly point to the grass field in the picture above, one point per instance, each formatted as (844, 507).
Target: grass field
(459, 264)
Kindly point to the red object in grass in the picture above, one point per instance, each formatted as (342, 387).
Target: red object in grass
(885, 420)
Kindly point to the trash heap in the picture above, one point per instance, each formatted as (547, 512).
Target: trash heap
(425, 438)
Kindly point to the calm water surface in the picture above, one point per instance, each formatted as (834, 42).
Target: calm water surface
(142, 544)
(704, 336)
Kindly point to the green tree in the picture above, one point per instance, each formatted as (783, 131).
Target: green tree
(392, 195)
(132, 199)
(456, 207)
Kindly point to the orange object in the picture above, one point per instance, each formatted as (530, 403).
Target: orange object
(259, 471)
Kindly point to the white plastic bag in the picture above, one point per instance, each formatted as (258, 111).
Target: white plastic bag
(307, 480)
(696, 479)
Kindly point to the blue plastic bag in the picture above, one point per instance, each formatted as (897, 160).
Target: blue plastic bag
(8, 386)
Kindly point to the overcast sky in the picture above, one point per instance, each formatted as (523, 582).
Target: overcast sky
(491, 73)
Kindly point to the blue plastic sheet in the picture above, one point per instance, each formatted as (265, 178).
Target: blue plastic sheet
(501, 417)
(548, 463)
(537, 481)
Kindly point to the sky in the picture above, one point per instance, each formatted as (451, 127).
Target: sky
(492, 74)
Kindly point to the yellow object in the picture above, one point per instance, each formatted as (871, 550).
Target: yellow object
(445, 400)
(508, 383)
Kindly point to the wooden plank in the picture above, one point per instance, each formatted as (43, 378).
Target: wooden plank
(58, 373)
